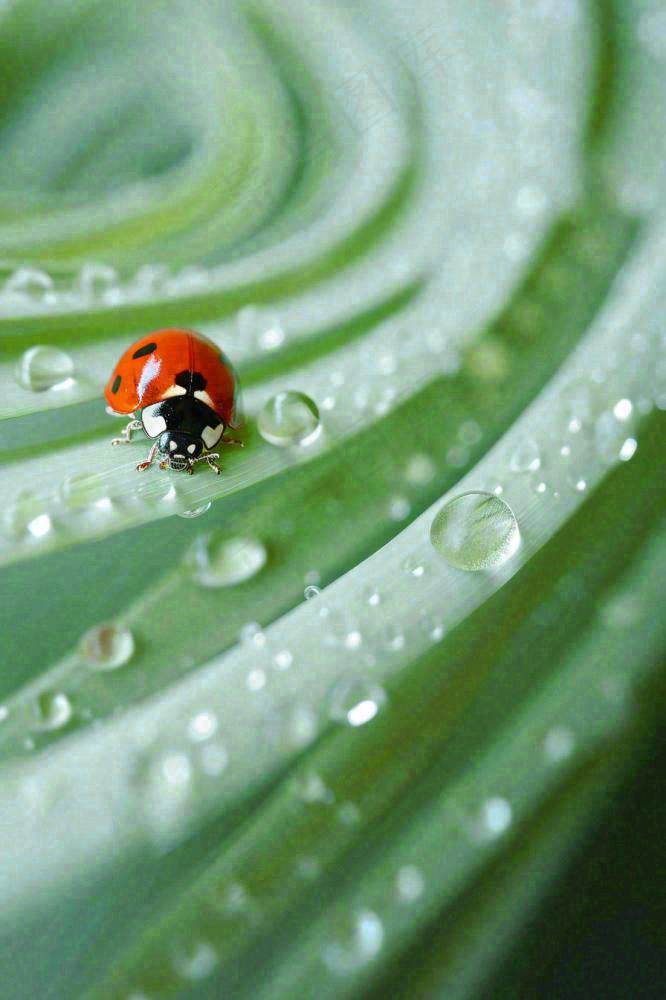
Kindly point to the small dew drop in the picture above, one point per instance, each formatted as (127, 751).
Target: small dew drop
(623, 409)
(51, 710)
(271, 335)
(4, 713)
(219, 561)
(414, 566)
(106, 647)
(628, 449)
(40, 526)
(311, 591)
(489, 360)
(409, 884)
(202, 726)
(256, 679)
(29, 282)
(558, 744)
(96, 280)
(420, 469)
(289, 418)
(196, 511)
(355, 700)
(525, 457)
(469, 432)
(495, 816)
(43, 367)
(349, 814)
(310, 787)
(399, 508)
(475, 531)
(197, 962)
(393, 637)
(355, 945)
(371, 596)
(283, 659)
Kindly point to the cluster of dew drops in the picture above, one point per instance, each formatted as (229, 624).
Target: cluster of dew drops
(474, 531)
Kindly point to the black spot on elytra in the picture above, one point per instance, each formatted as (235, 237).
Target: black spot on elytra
(116, 384)
(191, 381)
(146, 349)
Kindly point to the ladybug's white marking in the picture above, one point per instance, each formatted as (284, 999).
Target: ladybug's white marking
(211, 435)
(172, 445)
(191, 448)
(204, 397)
(153, 422)
(149, 371)
(174, 390)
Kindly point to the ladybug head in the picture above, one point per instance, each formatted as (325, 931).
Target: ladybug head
(179, 447)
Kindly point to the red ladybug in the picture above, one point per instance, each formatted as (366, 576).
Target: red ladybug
(187, 393)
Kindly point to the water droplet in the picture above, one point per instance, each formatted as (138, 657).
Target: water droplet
(311, 591)
(256, 679)
(219, 561)
(393, 637)
(489, 360)
(495, 816)
(196, 511)
(163, 784)
(202, 726)
(96, 280)
(106, 647)
(399, 508)
(310, 787)
(213, 758)
(4, 713)
(409, 883)
(355, 700)
(289, 418)
(475, 531)
(30, 282)
(349, 814)
(525, 457)
(558, 744)
(628, 449)
(44, 367)
(469, 432)
(51, 710)
(196, 962)
(355, 944)
(576, 402)
(371, 596)
(292, 725)
(623, 409)
(86, 490)
(420, 469)
(414, 566)
(283, 659)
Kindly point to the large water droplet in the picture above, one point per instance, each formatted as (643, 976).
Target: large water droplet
(355, 700)
(475, 531)
(106, 647)
(289, 418)
(51, 710)
(43, 367)
(355, 944)
(219, 561)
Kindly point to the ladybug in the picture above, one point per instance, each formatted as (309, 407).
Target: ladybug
(187, 394)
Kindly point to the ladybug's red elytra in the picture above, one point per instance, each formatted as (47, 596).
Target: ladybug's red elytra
(181, 389)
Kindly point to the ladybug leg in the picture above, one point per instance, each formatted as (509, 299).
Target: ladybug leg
(151, 455)
(241, 444)
(212, 463)
(126, 432)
